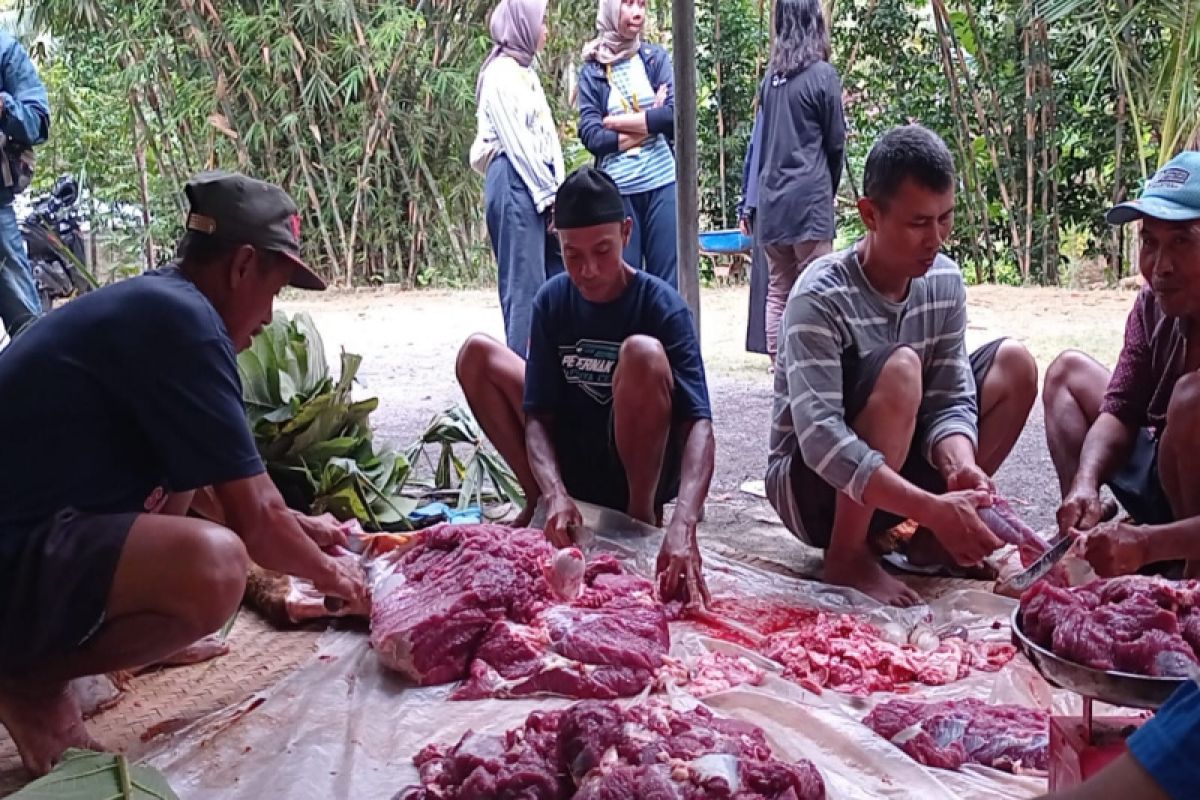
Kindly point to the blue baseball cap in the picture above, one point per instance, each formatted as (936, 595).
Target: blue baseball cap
(1172, 195)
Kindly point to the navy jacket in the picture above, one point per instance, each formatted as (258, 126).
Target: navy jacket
(593, 102)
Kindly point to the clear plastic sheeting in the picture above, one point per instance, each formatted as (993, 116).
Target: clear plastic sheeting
(344, 727)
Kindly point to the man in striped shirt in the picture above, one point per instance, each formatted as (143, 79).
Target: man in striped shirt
(880, 414)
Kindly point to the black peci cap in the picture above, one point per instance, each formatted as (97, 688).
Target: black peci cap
(587, 197)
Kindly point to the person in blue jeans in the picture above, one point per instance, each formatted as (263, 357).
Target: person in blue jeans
(24, 122)
(516, 148)
(627, 121)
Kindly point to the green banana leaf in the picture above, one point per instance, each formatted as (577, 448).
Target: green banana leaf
(86, 775)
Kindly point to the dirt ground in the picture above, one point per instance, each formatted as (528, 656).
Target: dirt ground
(408, 342)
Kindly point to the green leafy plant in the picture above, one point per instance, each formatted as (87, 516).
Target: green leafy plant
(85, 775)
(314, 438)
(464, 478)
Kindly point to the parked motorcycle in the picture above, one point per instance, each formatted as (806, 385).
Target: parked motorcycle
(54, 242)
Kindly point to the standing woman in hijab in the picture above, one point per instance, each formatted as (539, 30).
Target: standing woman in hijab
(627, 121)
(517, 150)
(800, 143)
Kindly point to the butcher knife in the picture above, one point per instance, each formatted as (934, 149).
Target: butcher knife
(1042, 566)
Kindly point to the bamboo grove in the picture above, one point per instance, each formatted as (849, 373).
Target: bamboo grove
(364, 109)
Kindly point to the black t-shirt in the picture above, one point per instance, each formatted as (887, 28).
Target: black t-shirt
(574, 345)
(115, 399)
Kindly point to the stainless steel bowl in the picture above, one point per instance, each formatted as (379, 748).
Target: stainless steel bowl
(1115, 688)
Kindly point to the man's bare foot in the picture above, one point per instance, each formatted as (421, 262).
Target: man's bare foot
(646, 515)
(924, 550)
(44, 721)
(865, 574)
(205, 649)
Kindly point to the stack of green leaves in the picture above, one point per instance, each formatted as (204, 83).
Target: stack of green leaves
(315, 440)
(85, 775)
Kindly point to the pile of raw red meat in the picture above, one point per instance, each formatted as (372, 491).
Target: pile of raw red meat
(503, 610)
(956, 732)
(820, 650)
(597, 750)
(1136, 624)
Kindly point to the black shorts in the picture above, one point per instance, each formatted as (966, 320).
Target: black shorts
(592, 471)
(56, 585)
(816, 500)
(1137, 485)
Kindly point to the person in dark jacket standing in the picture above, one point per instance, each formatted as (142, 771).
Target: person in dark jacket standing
(801, 144)
(517, 150)
(627, 121)
(24, 122)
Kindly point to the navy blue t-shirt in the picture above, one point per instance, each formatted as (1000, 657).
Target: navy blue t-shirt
(107, 403)
(574, 345)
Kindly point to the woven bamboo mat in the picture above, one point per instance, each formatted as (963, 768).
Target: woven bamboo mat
(165, 700)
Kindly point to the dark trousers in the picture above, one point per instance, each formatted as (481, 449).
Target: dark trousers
(652, 244)
(526, 255)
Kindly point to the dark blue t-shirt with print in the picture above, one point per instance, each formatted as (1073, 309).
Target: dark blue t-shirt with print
(574, 346)
(116, 399)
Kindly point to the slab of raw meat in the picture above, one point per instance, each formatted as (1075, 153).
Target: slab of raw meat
(1134, 623)
(491, 605)
(1044, 606)
(845, 653)
(598, 750)
(951, 733)
(1156, 653)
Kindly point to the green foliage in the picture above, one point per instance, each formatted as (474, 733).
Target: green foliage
(365, 111)
(86, 775)
(314, 439)
(453, 428)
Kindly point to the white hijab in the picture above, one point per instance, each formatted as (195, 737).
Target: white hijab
(609, 47)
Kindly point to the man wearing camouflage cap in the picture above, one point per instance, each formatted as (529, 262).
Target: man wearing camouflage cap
(1137, 430)
(117, 408)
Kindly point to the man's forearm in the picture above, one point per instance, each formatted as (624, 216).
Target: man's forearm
(1106, 446)
(888, 491)
(1175, 541)
(281, 545)
(543, 461)
(699, 453)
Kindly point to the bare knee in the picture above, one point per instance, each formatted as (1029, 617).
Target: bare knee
(900, 381)
(1018, 367)
(218, 565)
(475, 356)
(642, 358)
(1063, 372)
(1183, 412)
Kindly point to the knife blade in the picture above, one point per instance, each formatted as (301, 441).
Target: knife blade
(1042, 566)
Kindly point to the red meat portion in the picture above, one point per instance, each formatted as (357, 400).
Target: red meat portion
(1011, 529)
(956, 732)
(1137, 624)
(477, 602)
(599, 751)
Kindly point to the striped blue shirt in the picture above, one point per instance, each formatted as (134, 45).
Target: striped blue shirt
(833, 310)
(651, 166)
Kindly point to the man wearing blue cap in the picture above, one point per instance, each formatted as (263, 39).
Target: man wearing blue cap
(1137, 430)
(612, 406)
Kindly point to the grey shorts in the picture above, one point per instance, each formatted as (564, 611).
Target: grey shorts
(54, 586)
(1137, 485)
(816, 500)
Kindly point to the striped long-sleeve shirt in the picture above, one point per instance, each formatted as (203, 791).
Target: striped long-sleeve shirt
(514, 119)
(834, 312)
